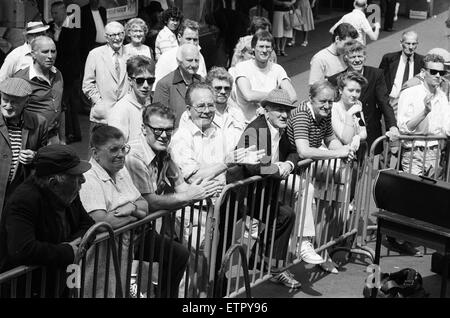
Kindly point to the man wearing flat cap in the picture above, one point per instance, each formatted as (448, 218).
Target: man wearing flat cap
(42, 229)
(21, 135)
(20, 57)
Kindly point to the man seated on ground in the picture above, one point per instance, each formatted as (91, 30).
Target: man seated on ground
(23, 134)
(255, 78)
(308, 126)
(267, 132)
(171, 89)
(44, 216)
(126, 114)
(423, 109)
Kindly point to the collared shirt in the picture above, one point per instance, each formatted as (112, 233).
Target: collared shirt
(16, 60)
(325, 63)
(58, 28)
(99, 27)
(126, 115)
(398, 81)
(167, 63)
(192, 148)
(165, 40)
(230, 123)
(358, 20)
(410, 104)
(275, 141)
(34, 73)
(101, 192)
(46, 96)
(151, 173)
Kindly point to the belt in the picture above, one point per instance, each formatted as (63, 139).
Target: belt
(421, 148)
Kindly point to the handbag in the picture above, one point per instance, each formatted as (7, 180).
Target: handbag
(406, 283)
(296, 18)
(287, 21)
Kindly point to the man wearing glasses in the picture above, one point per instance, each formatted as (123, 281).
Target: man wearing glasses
(171, 89)
(105, 78)
(127, 113)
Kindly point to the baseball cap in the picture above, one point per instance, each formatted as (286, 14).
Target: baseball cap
(54, 159)
(15, 86)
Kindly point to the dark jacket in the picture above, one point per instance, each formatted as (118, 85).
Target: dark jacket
(68, 57)
(87, 30)
(257, 133)
(171, 91)
(34, 136)
(31, 232)
(375, 100)
(389, 64)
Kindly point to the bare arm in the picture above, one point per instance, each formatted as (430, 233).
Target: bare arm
(287, 85)
(307, 152)
(114, 221)
(248, 94)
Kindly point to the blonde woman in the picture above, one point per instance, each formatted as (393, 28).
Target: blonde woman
(136, 30)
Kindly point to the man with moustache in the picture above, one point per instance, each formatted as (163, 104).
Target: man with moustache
(47, 87)
(21, 135)
(171, 89)
(105, 79)
(127, 113)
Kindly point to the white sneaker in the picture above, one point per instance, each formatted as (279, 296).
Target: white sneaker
(308, 254)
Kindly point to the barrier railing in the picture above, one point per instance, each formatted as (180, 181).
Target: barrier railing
(418, 154)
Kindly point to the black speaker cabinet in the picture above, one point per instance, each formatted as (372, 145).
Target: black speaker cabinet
(413, 196)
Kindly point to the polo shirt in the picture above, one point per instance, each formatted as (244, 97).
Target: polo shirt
(303, 125)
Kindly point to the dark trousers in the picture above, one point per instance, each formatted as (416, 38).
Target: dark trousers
(389, 14)
(71, 99)
(172, 261)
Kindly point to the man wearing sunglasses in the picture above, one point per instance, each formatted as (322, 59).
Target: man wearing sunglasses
(171, 89)
(127, 113)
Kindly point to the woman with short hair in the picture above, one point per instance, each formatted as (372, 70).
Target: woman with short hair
(136, 31)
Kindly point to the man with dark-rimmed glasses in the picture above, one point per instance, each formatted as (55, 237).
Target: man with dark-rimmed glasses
(126, 115)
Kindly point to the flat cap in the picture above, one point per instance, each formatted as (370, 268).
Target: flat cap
(278, 96)
(54, 159)
(15, 86)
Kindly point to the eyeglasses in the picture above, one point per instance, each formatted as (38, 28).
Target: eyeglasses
(218, 89)
(434, 72)
(201, 108)
(116, 35)
(141, 80)
(159, 131)
(114, 151)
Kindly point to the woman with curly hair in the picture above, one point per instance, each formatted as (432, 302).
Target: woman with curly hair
(167, 37)
(135, 31)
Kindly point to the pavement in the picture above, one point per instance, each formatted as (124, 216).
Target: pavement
(349, 282)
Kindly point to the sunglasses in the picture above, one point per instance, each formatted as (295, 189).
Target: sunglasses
(159, 131)
(220, 88)
(434, 72)
(141, 80)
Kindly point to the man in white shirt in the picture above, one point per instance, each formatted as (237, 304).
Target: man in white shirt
(105, 78)
(255, 78)
(358, 20)
(20, 57)
(329, 60)
(167, 62)
(126, 114)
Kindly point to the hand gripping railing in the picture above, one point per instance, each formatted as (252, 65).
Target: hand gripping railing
(86, 242)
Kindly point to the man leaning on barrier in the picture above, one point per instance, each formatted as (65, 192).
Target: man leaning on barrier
(267, 132)
(44, 215)
(308, 127)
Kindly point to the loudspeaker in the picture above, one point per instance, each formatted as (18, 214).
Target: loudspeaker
(413, 196)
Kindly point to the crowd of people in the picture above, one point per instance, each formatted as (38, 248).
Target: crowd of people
(166, 132)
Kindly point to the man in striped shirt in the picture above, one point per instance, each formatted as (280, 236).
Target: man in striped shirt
(308, 127)
(21, 135)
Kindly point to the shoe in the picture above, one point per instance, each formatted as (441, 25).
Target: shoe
(308, 255)
(283, 53)
(287, 279)
(389, 30)
(329, 266)
(133, 290)
(305, 43)
(277, 52)
(409, 249)
(290, 44)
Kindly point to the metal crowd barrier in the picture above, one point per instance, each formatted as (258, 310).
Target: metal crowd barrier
(391, 158)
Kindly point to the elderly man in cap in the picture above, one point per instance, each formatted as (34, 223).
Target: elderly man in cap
(21, 135)
(43, 229)
(20, 57)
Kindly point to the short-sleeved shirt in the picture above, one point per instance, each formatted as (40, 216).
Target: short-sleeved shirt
(261, 79)
(101, 192)
(151, 173)
(325, 63)
(303, 125)
(358, 20)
